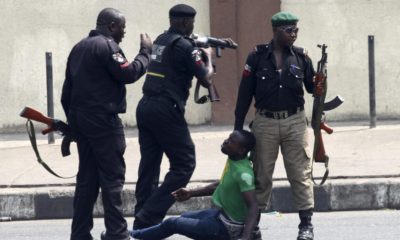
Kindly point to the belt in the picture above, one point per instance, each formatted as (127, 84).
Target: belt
(279, 114)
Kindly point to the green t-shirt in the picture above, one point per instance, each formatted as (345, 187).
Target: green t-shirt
(238, 177)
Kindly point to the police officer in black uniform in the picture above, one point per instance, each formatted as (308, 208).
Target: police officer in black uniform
(93, 95)
(274, 75)
(160, 116)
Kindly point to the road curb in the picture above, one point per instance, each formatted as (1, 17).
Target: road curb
(335, 195)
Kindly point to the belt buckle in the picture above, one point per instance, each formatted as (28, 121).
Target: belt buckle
(281, 115)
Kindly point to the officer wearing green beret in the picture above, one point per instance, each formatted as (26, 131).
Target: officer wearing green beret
(274, 75)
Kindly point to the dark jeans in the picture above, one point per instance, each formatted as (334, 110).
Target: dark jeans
(162, 129)
(202, 225)
(101, 145)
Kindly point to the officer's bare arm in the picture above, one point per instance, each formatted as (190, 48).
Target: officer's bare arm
(206, 80)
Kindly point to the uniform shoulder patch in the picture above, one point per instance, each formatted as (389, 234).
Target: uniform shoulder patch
(197, 56)
(247, 70)
(119, 58)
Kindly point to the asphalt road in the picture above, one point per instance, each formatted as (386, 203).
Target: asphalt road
(355, 225)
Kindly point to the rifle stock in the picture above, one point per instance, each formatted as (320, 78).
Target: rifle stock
(33, 114)
(53, 125)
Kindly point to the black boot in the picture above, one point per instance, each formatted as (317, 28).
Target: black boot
(144, 220)
(305, 227)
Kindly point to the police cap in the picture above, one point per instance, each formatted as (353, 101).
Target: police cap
(283, 18)
(182, 10)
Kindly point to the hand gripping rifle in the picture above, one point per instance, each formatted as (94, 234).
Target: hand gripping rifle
(318, 115)
(53, 125)
(218, 44)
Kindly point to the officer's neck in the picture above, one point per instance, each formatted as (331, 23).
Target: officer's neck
(278, 46)
(104, 31)
(176, 29)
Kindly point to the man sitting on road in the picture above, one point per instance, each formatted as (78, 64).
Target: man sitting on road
(236, 211)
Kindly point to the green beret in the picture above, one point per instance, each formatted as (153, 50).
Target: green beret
(283, 18)
(182, 10)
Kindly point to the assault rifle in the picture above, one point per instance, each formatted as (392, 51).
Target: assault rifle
(218, 44)
(53, 125)
(318, 115)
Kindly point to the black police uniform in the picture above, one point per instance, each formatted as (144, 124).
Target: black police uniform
(162, 126)
(274, 90)
(92, 96)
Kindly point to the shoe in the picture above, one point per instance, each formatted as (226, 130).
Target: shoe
(103, 235)
(256, 234)
(144, 219)
(306, 229)
(306, 233)
(139, 224)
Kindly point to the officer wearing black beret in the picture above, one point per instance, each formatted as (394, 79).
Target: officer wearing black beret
(93, 95)
(175, 60)
(182, 10)
(274, 75)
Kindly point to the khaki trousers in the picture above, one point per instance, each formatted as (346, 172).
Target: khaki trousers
(291, 136)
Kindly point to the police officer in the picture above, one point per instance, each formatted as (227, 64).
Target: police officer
(93, 95)
(274, 75)
(160, 116)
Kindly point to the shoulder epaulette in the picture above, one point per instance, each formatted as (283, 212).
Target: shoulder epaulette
(261, 48)
(301, 51)
(188, 38)
(113, 45)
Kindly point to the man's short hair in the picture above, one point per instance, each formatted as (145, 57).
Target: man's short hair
(249, 141)
(107, 16)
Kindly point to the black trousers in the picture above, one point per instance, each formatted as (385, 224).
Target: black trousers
(162, 129)
(101, 145)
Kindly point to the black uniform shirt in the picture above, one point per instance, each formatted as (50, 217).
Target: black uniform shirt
(96, 74)
(187, 63)
(273, 89)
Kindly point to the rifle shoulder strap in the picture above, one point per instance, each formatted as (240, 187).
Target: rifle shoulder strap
(32, 137)
(326, 174)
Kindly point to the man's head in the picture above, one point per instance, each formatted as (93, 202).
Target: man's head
(285, 29)
(111, 22)
(239, 143)
(181, 17)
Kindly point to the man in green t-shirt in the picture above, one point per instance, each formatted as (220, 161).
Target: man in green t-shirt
(236, 211)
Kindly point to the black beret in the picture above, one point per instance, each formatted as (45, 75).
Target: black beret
(283, 18)
(182, 10)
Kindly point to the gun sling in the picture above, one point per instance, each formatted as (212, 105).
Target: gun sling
(326, 174)
(32, 137)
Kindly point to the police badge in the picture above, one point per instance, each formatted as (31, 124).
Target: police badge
(119, 58)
